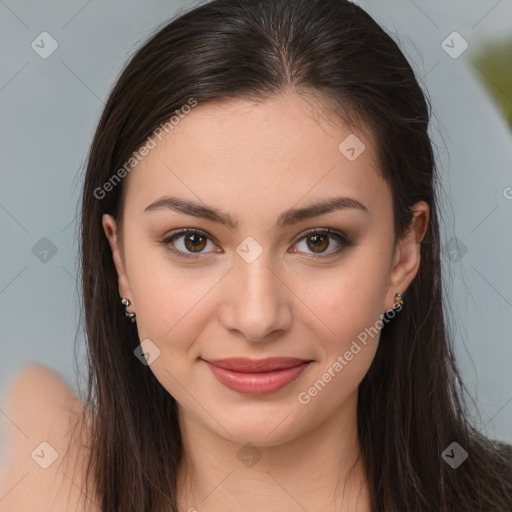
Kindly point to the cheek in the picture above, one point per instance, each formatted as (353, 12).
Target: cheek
(171, 306)
(346, 304)
(346, 299)
(347, 338)
(166, 296)
(353, 337)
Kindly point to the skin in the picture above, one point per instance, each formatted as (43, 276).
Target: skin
(42, 408)
(254, 161)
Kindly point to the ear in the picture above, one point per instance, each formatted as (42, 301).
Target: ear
(110, 228)
(406, 261)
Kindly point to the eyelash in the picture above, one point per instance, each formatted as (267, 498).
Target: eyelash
(340, 237)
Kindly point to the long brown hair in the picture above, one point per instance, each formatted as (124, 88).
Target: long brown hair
(411, 402)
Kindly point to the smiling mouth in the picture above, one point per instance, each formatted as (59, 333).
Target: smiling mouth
(257, 377)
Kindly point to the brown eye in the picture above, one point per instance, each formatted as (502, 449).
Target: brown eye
(188, 243)
(195, 242)
(191, 243)
(319, 240)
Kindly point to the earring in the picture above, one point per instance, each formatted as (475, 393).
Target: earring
(130, 316)
(398, 300)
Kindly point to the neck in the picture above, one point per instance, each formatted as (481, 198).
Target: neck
(319, 470)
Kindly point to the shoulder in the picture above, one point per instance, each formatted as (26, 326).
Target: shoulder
(45, 444)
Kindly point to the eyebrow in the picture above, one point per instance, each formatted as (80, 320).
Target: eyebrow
(287, 218)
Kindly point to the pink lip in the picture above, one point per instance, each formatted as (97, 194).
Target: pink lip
(254, 377)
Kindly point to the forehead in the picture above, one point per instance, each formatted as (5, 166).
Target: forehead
(237, 154)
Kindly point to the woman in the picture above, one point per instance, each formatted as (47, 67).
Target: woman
(262, 280)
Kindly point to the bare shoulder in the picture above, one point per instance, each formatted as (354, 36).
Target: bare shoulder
(47, 445)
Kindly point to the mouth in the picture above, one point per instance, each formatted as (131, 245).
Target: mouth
(257, 377)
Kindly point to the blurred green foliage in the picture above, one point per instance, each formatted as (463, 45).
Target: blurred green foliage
(493, 66)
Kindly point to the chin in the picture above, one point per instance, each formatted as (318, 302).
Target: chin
(261, 427)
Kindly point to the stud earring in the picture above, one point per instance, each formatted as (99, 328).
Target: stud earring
(398, 300)
(130, 316)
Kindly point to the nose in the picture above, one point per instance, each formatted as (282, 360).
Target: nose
(257, 303)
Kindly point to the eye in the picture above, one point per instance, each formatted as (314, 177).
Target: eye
(193, 240)
(190, 243)
(318, 241)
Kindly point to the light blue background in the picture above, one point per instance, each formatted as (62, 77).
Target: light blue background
(49, 109)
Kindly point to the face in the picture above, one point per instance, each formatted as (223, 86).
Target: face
(242, 275)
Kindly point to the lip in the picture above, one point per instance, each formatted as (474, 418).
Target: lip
(257, 377)
(244, 364)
